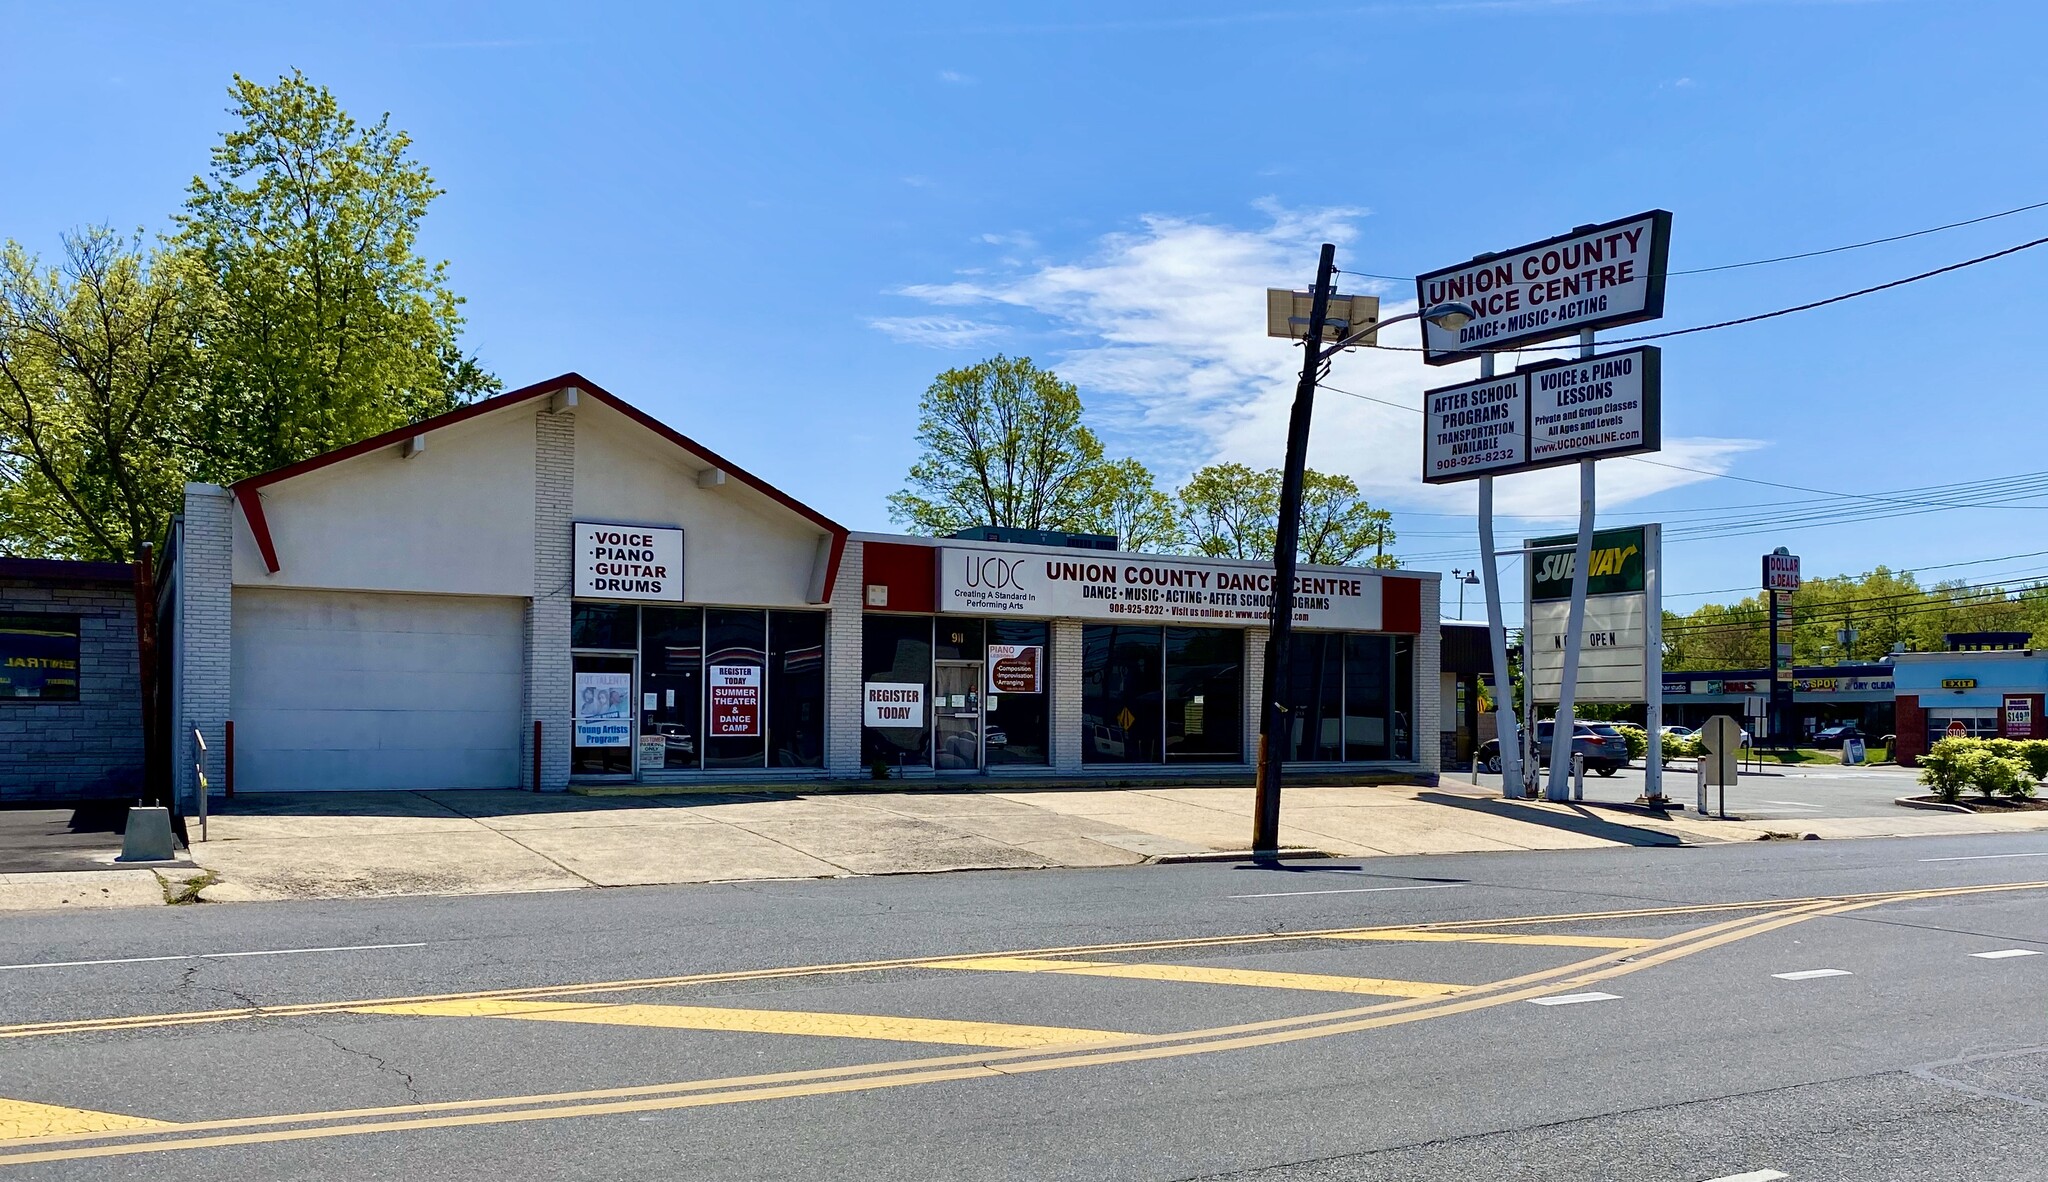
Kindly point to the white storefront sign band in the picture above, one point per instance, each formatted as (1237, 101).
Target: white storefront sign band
(628, 562)
(1597, 277)
(1142, 587)
(892, 704)
(1544, 415)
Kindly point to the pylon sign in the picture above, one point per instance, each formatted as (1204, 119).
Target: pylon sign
(1559, 412)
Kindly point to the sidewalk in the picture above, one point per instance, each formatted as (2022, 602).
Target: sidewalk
(343, 845)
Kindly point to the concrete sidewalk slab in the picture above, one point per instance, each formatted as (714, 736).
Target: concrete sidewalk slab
(477, 861)
(662, 854)
(80, 889)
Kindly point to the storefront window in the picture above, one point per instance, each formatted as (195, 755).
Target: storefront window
(604, 625)
(796, 689)
(897, 650)
(39, 657)
(602, 743)
(671, 688)
(1019, 724)
(1121, 685)
(735, 659)
(1975, 722)
(1315, 697)
(1351, 697)
(1204, 695)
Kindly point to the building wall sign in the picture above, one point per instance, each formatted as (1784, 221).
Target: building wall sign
(1956, 683)
(1597, 277)
(1136, 588)
(637, 562)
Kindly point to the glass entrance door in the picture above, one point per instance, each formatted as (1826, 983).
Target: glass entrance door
(956, 715)
(603, 712)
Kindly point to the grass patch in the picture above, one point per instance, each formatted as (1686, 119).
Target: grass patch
(178, 894)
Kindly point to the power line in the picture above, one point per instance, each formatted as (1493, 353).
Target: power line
(1786, 258)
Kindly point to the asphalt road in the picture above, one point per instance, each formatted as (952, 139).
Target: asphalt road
(1770, 792)
(1169, 1022)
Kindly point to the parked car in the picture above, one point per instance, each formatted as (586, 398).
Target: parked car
(1831, 738)
(1676, 732)
(1605, 749)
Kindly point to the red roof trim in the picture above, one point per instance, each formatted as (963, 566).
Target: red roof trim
(247, 490)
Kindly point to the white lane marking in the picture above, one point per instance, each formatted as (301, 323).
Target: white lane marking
(1794, 804)
(1986, 857)
(1434, 886)
(1810, 974)
(1753, 1176)
(72, 964)
(1572, 999)
(2005, 954)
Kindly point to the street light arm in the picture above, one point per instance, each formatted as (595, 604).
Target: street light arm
(1460, 313)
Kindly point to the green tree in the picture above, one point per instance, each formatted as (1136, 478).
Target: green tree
(1232, 511)
(1121, 498)
(329, 325)
(1003, 444)
(99, 362)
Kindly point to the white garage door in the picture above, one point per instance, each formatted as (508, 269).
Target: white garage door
(338, 690)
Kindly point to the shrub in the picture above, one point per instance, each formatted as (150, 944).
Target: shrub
(2035, 752)
(2002, 775)
(1636, 737)
(1947, 767)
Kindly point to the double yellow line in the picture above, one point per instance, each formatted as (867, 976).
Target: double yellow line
(216, 1134)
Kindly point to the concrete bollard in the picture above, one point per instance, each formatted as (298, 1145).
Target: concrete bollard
(147, 837)
(1578, 775)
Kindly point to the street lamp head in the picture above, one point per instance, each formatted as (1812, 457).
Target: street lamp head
(1450, 316)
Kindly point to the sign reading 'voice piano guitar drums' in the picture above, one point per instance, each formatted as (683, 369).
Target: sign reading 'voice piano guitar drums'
(1595, 277)
(629, 562)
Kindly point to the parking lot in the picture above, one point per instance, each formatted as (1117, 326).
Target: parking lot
(1786, 792)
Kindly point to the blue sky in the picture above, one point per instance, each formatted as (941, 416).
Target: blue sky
(772, 224)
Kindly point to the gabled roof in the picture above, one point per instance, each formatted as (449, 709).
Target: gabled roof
(248, 490)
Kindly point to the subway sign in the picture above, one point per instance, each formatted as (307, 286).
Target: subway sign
(1615, 566)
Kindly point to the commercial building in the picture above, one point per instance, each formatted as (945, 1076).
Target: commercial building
(551, 586)
(1981, 694)
(70, 682)
(1822, 695)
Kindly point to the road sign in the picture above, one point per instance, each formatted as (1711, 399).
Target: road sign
(1594, 277)
(1721, 739)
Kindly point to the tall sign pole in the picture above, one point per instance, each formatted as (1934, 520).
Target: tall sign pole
(1653, 662)
(1564, 726)
(1781, 579)
(1506, 731)
(1273, 728)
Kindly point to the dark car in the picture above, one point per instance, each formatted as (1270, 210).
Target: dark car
(1831, 738)
(1605, 749)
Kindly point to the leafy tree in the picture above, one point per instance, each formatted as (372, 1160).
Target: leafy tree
(1003, 445)
(1232, 511)
(1120, 498)
(330, 326)
(99, 360)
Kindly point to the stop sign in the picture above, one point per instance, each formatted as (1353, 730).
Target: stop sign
(1957, 730)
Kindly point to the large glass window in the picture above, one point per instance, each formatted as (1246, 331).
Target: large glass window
(796, 689)
(1020, 724)
(1978, 722)
(735, 663)
(1350, 697)
(602, 742)
(1204, 695)
(897, 650)
(39, 657)
(1121, 687)
(1315, 697)
(671, 688)
(604, 625)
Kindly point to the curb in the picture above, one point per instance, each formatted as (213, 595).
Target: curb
(1233, 856)
(1933, 806)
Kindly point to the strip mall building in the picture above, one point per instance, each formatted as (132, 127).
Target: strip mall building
(552, 587)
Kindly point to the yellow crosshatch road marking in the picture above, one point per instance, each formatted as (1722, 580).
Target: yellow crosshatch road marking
(874, 1026)
(1542, 940)
(25, 1118)
(1255, 978)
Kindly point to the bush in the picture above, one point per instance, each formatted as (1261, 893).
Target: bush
(1636, 737)
(2035, 752)
(2002, 775)
(1948, 766)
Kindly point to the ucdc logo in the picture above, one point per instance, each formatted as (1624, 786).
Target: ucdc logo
(996, 573)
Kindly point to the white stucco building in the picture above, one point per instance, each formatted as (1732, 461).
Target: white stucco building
(550, 586)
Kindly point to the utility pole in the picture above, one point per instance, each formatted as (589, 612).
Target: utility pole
(1273, 728)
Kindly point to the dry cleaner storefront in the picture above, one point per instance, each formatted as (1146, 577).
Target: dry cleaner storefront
(551, 586)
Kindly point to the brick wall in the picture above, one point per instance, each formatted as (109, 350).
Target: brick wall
(843, 665)
(205, 624)
(91, 747)
(1910, 724)
(549, 688)
(1255, 641)
(1429, 697)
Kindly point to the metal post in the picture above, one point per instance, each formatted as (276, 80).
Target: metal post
(1578, 773)
(1507, 731)
(1564, 726)
(1273, 721)
(1653, 661)
(228, 759)
(1530, 755)
(536, 755)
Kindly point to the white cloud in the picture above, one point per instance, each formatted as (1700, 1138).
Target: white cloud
(954, 78)
(938, 332)
(1169, 346)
